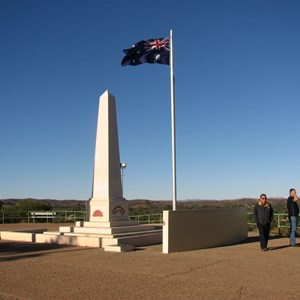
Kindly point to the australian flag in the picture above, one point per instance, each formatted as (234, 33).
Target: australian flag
(148, 51)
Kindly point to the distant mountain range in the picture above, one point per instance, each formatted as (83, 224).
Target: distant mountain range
(148, 206)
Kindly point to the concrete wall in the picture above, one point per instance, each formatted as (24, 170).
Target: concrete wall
(205, 228)
(17, 236)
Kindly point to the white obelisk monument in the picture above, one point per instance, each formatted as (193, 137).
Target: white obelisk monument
(107, 203)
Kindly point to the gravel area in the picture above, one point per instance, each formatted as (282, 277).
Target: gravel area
(241, 271)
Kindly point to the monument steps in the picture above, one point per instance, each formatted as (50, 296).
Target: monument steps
(121, 241)
(82, 241)
(119, 248)
(106, 224)
(112, 230)
(117, 235)
(136, 240)
(140, 235)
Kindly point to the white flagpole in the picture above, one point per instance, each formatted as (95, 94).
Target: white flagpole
(173, 121)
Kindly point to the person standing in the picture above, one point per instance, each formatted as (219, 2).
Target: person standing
(293, 211)
(263, 216)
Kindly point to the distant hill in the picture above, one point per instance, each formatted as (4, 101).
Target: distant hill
(144, 206)
(55, 204)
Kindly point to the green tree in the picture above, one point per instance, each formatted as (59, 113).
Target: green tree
(19, 212)
(32, 204)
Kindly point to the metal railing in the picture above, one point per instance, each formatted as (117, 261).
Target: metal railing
(280, 220)
(147, 219)
(28, 216)
(66, 217)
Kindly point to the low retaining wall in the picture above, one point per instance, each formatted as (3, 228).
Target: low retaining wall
(17, 236)
(196, 229)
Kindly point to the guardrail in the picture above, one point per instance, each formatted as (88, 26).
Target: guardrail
(66, 217)
(280, 220)
(147, 219)
(29, 216)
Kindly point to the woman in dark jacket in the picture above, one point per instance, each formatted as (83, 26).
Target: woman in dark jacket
(263, 216)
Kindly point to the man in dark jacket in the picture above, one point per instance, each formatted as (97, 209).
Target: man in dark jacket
(263, 216)
(293, 211)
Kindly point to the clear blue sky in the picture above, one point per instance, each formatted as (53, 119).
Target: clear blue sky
(237, 69)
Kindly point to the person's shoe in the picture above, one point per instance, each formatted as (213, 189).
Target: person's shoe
(265, 249)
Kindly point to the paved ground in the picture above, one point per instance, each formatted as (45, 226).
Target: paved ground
(242, 271)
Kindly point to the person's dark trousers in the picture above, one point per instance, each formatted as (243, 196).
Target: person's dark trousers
(264, 232)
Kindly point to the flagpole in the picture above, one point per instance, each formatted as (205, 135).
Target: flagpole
(173, 122)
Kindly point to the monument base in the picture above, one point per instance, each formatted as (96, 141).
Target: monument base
(108, 210)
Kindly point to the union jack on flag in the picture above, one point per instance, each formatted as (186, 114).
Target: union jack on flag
(148, 51)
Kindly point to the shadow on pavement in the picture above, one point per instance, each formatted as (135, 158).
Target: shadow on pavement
(250, 239)
(255, 239)
(10, 251)
(278, 247)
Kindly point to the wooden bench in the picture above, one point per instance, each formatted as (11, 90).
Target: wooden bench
(43, 215)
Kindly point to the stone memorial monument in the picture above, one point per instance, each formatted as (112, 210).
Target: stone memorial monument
(107, 203)
(108, 224)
